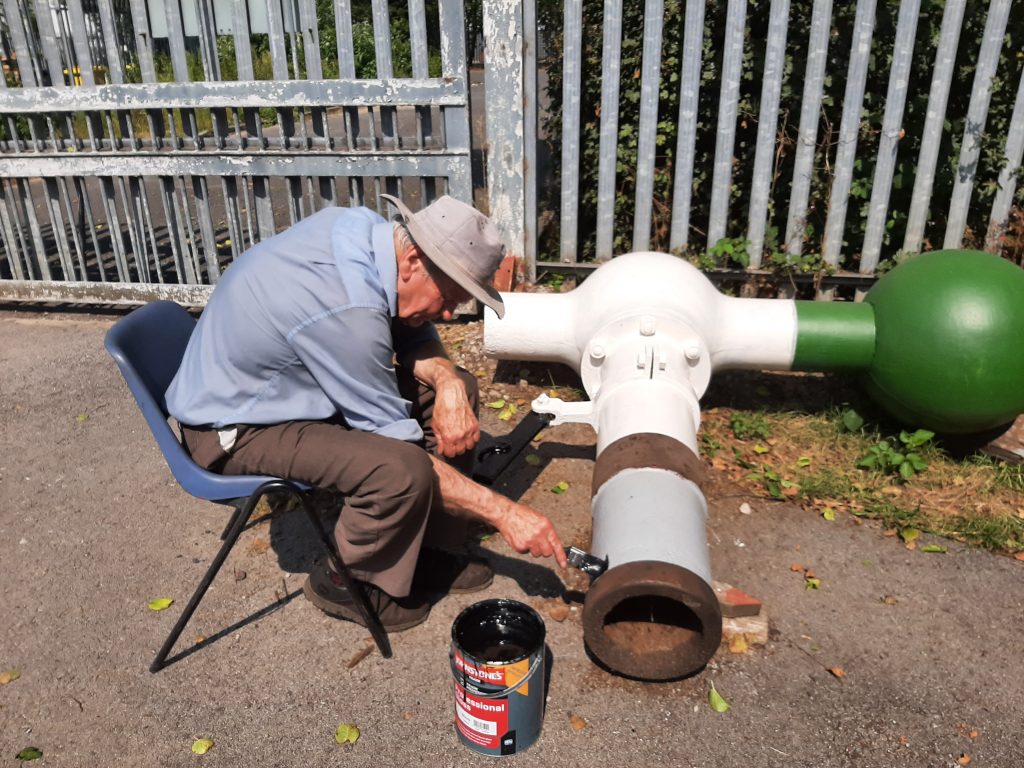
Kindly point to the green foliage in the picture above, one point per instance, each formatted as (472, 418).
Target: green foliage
(775, 256)
(902, 458)
(746, 425)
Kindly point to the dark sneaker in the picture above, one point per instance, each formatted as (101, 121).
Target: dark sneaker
(440, 571)
(324, 590)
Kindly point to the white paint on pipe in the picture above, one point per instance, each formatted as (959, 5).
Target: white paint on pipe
(652, 514)
(736, 333)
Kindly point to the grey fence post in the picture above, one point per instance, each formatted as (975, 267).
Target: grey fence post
(503, 81)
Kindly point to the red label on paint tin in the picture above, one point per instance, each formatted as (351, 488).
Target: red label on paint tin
(480, 674)
(481, 721)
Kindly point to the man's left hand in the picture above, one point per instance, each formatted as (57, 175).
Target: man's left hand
(455, 425)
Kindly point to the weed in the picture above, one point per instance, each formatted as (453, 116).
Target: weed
(746, 426)
(904, 460)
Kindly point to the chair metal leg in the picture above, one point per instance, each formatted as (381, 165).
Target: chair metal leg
(239, 520)
(354, 588)
(237, 525)
(234, 516)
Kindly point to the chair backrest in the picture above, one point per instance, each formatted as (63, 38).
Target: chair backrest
(148, 345)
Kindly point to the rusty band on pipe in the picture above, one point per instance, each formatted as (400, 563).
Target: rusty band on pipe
(645, 450)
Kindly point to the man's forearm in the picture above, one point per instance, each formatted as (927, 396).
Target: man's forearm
(461, 493)
(430, 364)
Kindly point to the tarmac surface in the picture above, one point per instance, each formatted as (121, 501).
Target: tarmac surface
(93, 527)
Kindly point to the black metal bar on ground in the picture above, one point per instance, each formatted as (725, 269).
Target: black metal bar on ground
(495, 454)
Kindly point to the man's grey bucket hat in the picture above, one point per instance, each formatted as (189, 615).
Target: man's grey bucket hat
(461, 242)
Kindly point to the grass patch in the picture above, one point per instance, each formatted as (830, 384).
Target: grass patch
(817, 460)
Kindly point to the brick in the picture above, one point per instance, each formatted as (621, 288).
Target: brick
(753, 628)
(735, 602)
(508, 275)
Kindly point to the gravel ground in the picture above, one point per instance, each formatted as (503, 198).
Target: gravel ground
(92, 527)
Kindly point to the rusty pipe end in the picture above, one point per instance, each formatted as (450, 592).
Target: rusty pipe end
(652, 620)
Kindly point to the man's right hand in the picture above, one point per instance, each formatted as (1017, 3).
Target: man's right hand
(526, 530)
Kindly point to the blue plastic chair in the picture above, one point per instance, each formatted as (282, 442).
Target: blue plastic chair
(148, 345)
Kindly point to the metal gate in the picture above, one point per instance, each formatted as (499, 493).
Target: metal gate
(146, 144)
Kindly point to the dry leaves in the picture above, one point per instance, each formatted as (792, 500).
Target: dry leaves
(577, 722)
(558, 611)
(837, 672)
(739, 644)
(258, 546)
(964, 759)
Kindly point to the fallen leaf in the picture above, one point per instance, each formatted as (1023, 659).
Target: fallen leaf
(716, 701)
(972, 735)
(30, 753)
(9, 677)
(933, 548)
(533, 459)
(560, 488)
(202, 746)
(892, 490)
(160, 603)
(258, 546)
(809, 574)
(964, 759)
(838, 672)
(745, 509)
(361, 654)
(1019, 556)
(577, 722)
(904, 741)
(812, 583)
(346, 732)
(909, 534)
(889, 532)
(509, 412)
(796, 567)
(559, 612)
(496, 404)
(82, 417)
(890, 600)
(408, 714)
(758, 448)
(200, 639)
(738, 644)
(829, 514)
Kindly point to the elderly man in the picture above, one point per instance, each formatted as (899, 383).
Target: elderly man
(316, 360)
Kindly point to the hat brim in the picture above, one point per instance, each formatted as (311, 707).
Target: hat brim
(482, 292)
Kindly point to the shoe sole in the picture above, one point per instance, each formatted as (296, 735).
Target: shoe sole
(332, 609)
(470, 590)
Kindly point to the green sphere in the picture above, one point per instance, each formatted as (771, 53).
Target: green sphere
(949, 341)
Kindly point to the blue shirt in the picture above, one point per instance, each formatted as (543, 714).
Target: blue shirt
(300, 328)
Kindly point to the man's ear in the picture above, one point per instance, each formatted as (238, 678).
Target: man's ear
(407, 262)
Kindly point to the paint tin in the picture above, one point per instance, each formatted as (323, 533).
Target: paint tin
(497, 660)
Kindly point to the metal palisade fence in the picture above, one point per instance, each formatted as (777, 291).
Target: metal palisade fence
(144, 144)
(803, 138)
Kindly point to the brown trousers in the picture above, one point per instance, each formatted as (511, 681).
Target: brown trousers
(392, 504)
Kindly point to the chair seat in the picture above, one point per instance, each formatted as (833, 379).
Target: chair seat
(223, 488)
